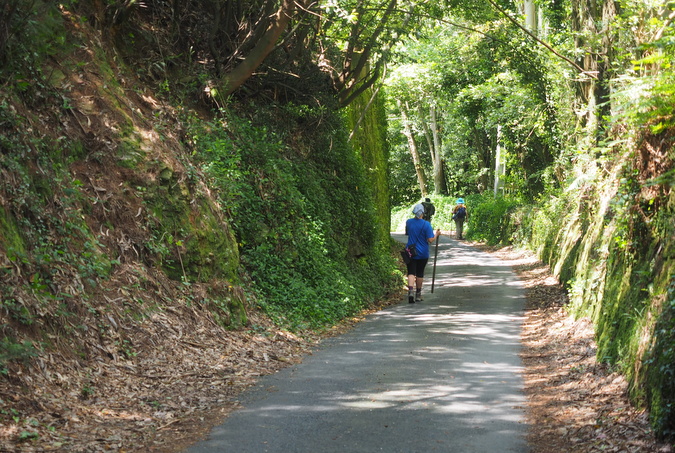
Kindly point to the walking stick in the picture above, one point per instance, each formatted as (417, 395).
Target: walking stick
(433, 275)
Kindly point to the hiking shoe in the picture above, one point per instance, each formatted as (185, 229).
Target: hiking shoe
(418, 296)
(411, 297)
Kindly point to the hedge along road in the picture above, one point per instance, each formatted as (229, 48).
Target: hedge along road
(442, 375)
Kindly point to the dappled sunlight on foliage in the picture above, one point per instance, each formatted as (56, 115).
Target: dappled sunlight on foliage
(288, 212)
(585, 175)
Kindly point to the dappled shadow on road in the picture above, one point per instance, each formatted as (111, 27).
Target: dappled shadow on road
(444, 372)
(437, 375)
(459, 352)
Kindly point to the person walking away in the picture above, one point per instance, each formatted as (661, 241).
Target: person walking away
(459, 215)
(421, 235)
(429, 209)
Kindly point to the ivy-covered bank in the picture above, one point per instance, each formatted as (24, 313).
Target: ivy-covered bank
(609, 235)
(304, 209)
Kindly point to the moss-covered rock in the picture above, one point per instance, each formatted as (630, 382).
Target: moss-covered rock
(11, 242)
(198, 244)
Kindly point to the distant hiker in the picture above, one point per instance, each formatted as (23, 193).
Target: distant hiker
(459, 215)
(420, 234)
(429, 209)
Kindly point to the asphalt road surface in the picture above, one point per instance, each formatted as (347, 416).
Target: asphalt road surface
(442, 375)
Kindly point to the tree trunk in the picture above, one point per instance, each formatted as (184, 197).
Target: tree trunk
(242, 72)
(593, 18)
(440, 186)
(530, 12)
(353, 78)
(500, 168)
(431, 133)
(215, 54)
(412, 146)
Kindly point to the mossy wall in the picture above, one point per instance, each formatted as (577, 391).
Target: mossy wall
(612, 243)
(369, 137)
(199, 244)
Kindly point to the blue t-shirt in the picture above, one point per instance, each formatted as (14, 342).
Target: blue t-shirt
(419, 232)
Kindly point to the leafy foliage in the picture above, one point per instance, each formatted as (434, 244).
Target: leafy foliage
(491, 90)
(305, 225)
(30, 31)
(491, 218)
(646, 92)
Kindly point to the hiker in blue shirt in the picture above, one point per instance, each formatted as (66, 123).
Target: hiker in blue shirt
(421, 235)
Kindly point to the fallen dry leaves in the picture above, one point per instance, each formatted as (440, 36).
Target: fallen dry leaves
(575, 403)
(153, 383)
(188, 372)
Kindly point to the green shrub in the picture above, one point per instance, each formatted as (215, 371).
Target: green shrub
(442, 219)
(491, 218)
(304, 222)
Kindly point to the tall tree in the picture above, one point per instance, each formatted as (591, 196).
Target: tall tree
(433, 134)
(368, 29)
(418, 85)
(306, 30)
(412, 146)
(467, 81)
(590, 21)
(261, 47)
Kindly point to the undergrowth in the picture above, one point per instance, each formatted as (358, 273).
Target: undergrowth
(305, 228)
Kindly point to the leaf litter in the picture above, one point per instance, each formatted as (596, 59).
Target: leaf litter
(187, 372)
(575, 403)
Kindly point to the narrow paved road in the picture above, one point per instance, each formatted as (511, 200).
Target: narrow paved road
(442, 375)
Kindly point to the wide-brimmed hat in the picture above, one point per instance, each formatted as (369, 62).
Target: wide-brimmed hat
(460, 201)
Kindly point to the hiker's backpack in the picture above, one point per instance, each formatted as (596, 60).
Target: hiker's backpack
(461, 212)
(429, 210)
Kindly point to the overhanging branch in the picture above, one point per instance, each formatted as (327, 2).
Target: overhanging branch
(543, 43)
